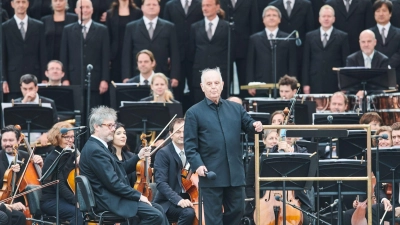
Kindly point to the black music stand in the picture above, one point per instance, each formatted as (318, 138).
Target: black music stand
(287, 165)
(53, 170)
(302, 113)
(353, 145)
(30, 117)
(388, 169)
(66, 99)
(127, 92)
(341, 168)
(355, 78)
(338, 118)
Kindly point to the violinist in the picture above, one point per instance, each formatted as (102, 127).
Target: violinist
(66, 199)
(277, 117)
(287, 87)
(373, 119)
(10, 137)
(159, 86)
(108, 176)
(168, 165)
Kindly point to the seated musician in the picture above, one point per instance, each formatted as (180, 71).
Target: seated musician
(277, 118)
(396, 134)
(55, 73)
(146, 63)
(10, 136)
(107, 176)
(67, 200)
(339, 102)
(287, 87)
(385, 203)
(168, 165)
(159, 89)
(373, 119)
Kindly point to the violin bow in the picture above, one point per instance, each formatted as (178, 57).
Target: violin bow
(27, 192)
(166, 139)
(162, 130)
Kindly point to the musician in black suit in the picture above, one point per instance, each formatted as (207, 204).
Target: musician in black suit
(156, 35)
(29, 89)
(259, 59)
(208, 47)
(96, 50)
(168, 165)
(10, 136)
(146, 63)
(118, 16)
(183, 16)
(23, 49)
(353, 21)
(108, 176)
(368, 57)
(387, 35)
(296, 15)
(53, 28)
(321, 55)
(246, 21)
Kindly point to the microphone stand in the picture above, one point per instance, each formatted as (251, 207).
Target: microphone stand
(77, 143)
(377, 176)
(230, 29)
(310, 215)
(1, 54)
(273, 48)
(88, 81)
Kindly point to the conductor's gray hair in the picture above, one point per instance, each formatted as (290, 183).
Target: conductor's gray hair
(216, 69)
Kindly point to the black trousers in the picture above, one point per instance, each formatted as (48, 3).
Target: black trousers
(66, 211)
(151, 215)
(231, 198)
(184, 216)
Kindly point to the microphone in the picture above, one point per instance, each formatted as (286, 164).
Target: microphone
(65, 130)
(298, 40)
(334, 203)
(330, 119)
(210, 175)
(278, 198)
(384, 136)
(89, 67)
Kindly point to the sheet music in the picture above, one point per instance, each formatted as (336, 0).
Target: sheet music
(9, 104)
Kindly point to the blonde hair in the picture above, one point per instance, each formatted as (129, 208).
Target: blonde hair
(168, 96)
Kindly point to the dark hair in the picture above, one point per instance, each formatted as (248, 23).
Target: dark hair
(175, 121)
(379, 3)
(288, 80)
(11, 128)
(111, 147)
(115, 5)
(369, 117)
(27, 79)
(276, 113)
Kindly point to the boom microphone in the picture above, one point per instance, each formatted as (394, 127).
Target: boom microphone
(65, 130)
(89, 67)
(384, 136)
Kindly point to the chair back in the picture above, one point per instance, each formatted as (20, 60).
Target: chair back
(34, 200)
(85, 194)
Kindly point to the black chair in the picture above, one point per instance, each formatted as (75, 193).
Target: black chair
(87, 205)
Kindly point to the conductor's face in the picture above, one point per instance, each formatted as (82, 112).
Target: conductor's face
(212, 85)
(8, 140)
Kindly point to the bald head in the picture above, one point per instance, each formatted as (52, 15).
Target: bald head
(367, 42)
(84, 9)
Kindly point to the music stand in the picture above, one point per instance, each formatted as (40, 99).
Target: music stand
(353, 145)
(64, 97)
(356, 78)
(302, 113)
(54, 169)
(30, 117)
(127, 92)
(388, 168)
(287, 165)
(341, 168)
(338, 118)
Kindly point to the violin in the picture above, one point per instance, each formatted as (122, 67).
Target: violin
(143, 173)
(9, 178)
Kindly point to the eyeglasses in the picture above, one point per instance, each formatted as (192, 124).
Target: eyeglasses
(110, 125)
(68, 137)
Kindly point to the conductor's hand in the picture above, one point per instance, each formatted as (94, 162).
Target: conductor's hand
(144, 152)
(16, 168)
(184, 203)
(38, 160)
(258, 126)
(386, 204)
(144, 199)
(200, 171)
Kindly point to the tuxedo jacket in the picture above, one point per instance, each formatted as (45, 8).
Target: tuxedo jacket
(359, 18)
(379, 61)
(318, 61)
(259, 58)
(175, 13)
(96, 50)
(45, 100)
(246, 22)
(300, 19)
(49, 31)
(163, 45)
(168, 166)
(112, 24)
(23, 56)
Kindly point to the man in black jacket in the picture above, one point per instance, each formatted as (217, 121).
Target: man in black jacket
(168, 165)
(23, 48)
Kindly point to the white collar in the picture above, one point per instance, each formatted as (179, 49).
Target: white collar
(214, 21)
(103, 142)
(87, 25)
(141, 81)
(328, 32)
(177, 150)
(274, 32)
(18, 21)
(386, 26)
(147, 21)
